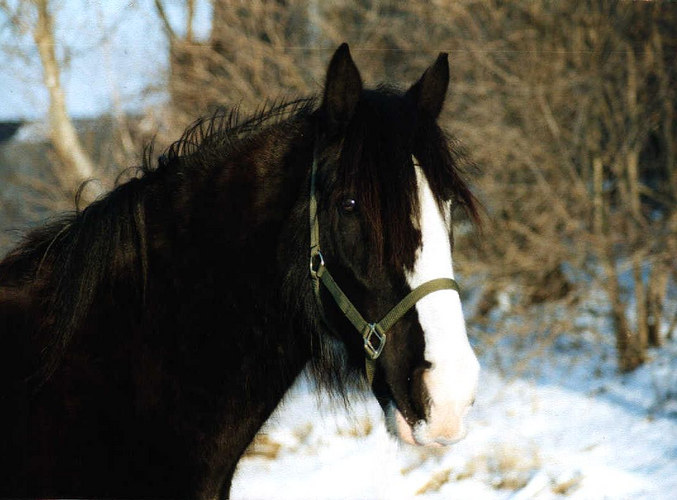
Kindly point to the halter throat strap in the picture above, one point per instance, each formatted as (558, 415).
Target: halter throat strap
(373, 333)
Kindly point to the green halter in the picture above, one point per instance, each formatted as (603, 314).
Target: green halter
(373, 334)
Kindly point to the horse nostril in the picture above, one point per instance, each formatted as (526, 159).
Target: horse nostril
(472, 403)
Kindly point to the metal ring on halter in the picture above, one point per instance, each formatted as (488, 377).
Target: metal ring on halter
(314, 272)
(374, 351)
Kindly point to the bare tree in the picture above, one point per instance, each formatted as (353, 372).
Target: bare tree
(75, 167)
(256, 50)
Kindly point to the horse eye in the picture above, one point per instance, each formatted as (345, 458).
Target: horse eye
(348, 205)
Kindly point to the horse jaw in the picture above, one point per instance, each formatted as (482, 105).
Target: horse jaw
(451, 380)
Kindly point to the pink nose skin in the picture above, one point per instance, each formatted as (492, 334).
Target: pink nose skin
(404, 431)
(423, 435)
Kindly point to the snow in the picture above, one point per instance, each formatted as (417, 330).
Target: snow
(569, 428)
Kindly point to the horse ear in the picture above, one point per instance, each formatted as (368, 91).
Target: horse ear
(429, 92)
(342, 88)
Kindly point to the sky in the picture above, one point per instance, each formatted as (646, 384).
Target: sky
(107, 48)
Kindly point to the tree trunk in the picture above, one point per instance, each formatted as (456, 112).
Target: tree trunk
(633, 232)
(655, 299)
(627, 345)
(628, 350)
(640, 308)
(598, 197)
(76, 166)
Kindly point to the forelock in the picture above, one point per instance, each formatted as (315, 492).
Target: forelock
(376, 166)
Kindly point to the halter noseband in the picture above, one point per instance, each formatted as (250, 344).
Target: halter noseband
(373, 334)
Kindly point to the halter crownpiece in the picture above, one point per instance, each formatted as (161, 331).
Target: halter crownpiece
(373, 334)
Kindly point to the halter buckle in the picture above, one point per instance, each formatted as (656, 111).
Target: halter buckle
(374, 351)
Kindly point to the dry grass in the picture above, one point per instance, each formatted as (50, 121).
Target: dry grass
(437, 480)
(303, 432)
(508, 468)
(264, 447)
(567, 486)
(358, 429)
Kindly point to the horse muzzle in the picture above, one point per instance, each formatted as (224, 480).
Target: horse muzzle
(422, 433)
(446, 414)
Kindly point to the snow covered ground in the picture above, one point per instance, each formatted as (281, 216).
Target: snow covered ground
(567, 427)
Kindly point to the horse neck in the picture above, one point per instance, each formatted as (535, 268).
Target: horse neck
(223, 230)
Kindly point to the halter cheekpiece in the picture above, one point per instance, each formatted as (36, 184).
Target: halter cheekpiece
(373, 334)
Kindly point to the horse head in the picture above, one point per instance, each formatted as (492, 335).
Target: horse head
(385, 183)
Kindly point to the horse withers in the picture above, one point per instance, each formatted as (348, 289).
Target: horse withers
(145, 339)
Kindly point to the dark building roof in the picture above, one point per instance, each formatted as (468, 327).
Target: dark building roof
(8, 129)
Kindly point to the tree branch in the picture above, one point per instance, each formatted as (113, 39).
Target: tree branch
(165, 20)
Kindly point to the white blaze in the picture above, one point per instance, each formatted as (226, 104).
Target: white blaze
(452, 379)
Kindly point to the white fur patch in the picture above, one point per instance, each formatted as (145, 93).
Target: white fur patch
(451, 381)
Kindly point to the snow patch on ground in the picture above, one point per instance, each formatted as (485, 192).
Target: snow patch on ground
(573, 428)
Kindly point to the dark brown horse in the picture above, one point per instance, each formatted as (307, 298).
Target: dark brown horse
(146, 339)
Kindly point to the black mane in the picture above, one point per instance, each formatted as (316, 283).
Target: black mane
(79, 253)
(226, 131)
